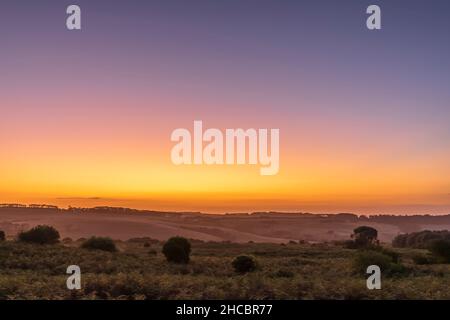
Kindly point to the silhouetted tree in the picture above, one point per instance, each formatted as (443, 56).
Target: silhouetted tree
(365, 236)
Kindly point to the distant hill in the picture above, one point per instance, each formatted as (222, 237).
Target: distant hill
(125, 223)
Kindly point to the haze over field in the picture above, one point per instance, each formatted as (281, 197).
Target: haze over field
(123, 224)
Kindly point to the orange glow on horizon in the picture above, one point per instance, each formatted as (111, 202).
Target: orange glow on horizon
(122, 160)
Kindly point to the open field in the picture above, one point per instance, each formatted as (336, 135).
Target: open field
(299, 256)
(123, 224)
(140, 271)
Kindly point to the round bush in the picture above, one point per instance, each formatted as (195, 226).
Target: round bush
(244, 264)
(177, 250)
(40, 234)
(2, 235)
(100, 243)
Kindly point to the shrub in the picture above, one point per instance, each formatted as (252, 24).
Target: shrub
(366, 258)
(100, 243)
(420, 240)
(441, 250)
(244, 264)
(397, 269)
(177, 250)
(40, 234)
(2, 235)
(387, 263)
(422, 259)
(395, 256)
(284, 274)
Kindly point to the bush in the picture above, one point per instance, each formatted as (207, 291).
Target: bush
(387, 263)
(2, 235)
(395, 256)
(420, 240)
(177, 250)
(366, 258)
(422, 259)
(284, 274)
(40, 234)
(100, 243)
(244, 264)
(441, 250)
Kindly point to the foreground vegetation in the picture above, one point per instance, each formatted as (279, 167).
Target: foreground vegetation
(139, 270)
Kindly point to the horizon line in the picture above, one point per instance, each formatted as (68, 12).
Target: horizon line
(69, 208)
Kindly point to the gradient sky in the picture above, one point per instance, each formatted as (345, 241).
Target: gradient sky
(86, 116)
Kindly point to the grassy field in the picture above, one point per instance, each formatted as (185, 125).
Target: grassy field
(140, 271)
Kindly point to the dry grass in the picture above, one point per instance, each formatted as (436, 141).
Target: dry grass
(291, 271)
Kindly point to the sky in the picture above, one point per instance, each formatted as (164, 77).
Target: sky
(86, 116)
